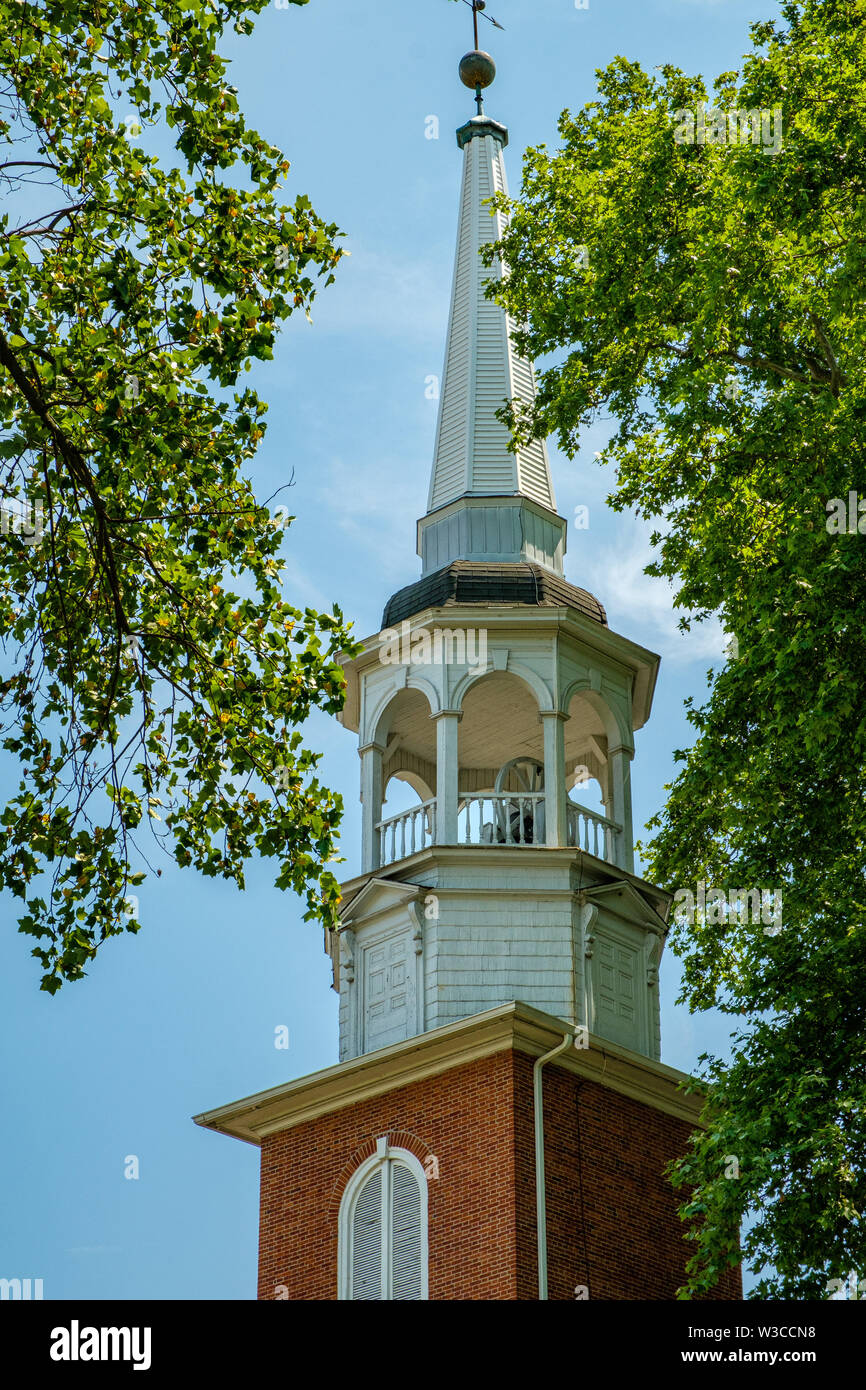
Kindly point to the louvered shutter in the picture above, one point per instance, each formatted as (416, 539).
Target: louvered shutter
(406, 1274)
(367, 1240)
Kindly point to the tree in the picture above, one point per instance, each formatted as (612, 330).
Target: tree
(708, 295)
(132, 296)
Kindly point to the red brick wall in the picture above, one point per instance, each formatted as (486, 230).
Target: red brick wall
(624, 1240)
(612, 1222)
(465, 1118)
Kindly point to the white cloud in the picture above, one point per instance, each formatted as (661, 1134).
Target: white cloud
(641, 607)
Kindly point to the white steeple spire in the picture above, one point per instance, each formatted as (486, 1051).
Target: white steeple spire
(482, 367)
(472, 460)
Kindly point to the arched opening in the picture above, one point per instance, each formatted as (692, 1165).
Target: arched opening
(588, 774)
(586, 791)
(400, 795)
(407, 733)
(406, 747)
(501, 763)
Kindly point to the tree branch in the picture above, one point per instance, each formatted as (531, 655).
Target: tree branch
(78, 471)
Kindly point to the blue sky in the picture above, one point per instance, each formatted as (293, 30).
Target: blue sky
(181, 1017)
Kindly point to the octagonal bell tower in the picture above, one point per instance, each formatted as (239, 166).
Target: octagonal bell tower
(497, 691)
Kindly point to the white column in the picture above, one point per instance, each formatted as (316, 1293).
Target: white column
(620, 785)
(447, 767)
(607, 789)
(371, 801)
(554, 777)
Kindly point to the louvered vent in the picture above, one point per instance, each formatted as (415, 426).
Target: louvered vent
(406, 1272)
(367, 1241)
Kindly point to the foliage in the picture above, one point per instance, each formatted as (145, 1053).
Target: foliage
(719, 319)
(151, 662)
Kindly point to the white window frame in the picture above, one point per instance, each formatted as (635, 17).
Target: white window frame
(384, 1158)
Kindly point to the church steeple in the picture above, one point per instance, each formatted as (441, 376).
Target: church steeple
(496, 954)
(485, 502)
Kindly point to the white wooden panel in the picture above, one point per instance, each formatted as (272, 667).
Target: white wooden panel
(389, 991)
(406, 1266)
(616, 981)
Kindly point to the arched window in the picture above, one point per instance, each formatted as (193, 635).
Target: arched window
(383, 1229)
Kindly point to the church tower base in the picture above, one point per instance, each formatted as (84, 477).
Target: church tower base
(460, 1099)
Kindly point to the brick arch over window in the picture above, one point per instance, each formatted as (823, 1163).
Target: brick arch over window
(397, 1139)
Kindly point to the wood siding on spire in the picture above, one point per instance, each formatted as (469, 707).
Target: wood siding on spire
(482, 369)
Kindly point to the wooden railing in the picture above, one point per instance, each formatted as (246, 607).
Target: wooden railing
(407, 833)
(592, 832)
(508, 818)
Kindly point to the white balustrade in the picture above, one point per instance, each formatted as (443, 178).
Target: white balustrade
(592, 832)
(407, 833)
(508, 818)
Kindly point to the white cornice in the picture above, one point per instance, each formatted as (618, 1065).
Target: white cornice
(627, 657)
(511, 1026)
(392, 893)
(607, 894)
(515, 857)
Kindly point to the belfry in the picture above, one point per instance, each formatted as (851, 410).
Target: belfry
(499, 1121)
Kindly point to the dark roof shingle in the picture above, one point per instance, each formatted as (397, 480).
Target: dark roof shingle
(466, 582)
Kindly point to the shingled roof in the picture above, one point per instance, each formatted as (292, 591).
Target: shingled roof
(465, 582)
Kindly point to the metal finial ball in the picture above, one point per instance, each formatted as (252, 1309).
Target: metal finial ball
(477, 70)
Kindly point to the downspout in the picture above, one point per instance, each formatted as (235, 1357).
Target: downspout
(540, 1197)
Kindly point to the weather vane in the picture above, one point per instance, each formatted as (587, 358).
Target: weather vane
(477, 69)
(478, 7)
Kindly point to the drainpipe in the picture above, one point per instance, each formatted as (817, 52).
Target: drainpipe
(540, 1197)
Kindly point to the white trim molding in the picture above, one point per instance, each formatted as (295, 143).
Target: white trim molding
(511, 1026)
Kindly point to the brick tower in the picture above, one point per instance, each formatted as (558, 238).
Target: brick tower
(499, 1120)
